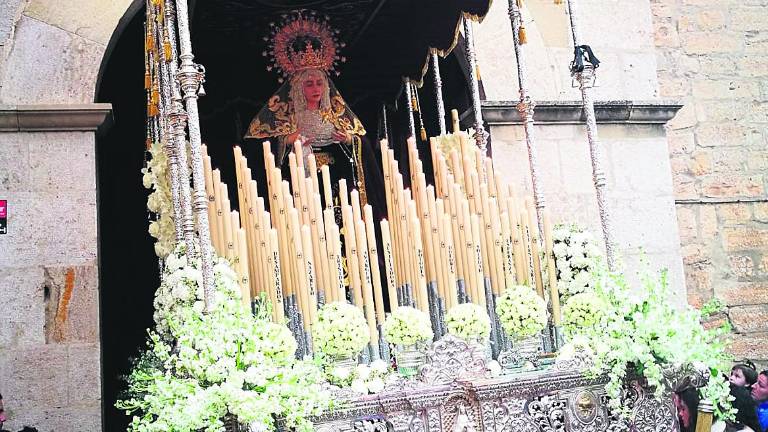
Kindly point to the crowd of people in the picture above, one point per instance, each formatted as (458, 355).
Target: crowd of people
(749, 390)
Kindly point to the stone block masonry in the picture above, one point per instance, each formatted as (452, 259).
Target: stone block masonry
(50, 351)
(711, 55)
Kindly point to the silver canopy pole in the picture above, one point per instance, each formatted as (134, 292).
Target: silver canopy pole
(439, 94)
(480, 134)
(409, 97)
(190, 77)
(586, 78)
(526, 107)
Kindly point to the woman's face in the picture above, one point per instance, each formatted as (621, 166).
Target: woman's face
(737, 377)
(682, 411)
(313, 86)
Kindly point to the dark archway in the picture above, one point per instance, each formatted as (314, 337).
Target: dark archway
(237, 84)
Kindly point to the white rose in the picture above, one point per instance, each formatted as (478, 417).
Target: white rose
(359, 386)
(376, 385)
(560, 250)
(198, 307)
(363, 372)
(146, 179)
(379, 367)
(341, 373)
(494, 368)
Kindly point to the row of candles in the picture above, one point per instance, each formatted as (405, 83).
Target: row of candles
(464, 238)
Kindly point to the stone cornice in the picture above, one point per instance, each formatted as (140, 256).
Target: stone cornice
(571, 112)
(59, 118)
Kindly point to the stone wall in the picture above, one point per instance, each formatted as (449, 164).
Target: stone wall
(50, 368)
(620, 32)
(713, 56)
(639, 186)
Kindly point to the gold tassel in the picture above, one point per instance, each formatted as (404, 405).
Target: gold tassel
(423, 134)
(477, 72)
(519, 3)
(154, 100)
(167, 50)
(558, 2)
(414, 105)
(147, 81)
(149, 143)
(521, 36)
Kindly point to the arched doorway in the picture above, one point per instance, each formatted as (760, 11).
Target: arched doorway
(237, 85)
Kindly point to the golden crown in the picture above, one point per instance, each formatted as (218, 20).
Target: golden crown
(304, 41)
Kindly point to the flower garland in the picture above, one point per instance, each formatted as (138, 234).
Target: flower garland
(225, 362)
(521, 311)
(643, 329)
(582, 311)
(407, 326)
(340, 330)
(576, 255)
(155, 178)
(468, 321)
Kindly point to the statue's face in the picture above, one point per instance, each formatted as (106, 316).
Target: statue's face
(313, 86)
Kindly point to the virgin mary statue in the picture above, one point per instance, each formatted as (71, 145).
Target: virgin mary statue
(309, 108)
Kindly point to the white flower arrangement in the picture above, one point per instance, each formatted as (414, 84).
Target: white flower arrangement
(522, 312)
(468, 321)
(576, 255)
(365, 379)
(340, 330)
(644, 331)
(224, 362)
(581, 311)
(407, 326)
(155, 177)
(182, 286)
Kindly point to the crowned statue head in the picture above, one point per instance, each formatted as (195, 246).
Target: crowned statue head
(303, 50)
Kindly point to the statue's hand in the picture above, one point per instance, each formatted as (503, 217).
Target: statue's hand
(342, 137)
(305, 141)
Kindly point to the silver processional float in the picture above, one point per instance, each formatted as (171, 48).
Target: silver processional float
(461, 238)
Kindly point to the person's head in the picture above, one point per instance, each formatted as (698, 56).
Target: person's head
(687, 404)
(742, 375)
(746, 415)
(760, 388)
(309, 90)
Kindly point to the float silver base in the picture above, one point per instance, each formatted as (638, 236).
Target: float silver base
(454, 393)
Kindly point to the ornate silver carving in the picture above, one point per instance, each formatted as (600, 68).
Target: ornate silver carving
(459, 414)
(409, 97)
(548, 412)
(580, 360)
(438, 93)
(674, 377)
(372, 424)
(450, 359)
(190, 77)
(521, 354)
(526, 107)
(481, 136)
(585, 79)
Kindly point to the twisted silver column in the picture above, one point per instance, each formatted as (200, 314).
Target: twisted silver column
(439, 93)
(190, 77)
(174, 134)
(526, 107)
(585, 80)
(409, 96)
(480, 135)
